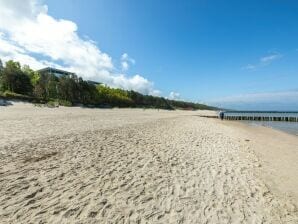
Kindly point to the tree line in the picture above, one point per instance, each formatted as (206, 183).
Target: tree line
(18, 81)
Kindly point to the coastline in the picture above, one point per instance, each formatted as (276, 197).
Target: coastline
(287, 127)
(278, 153)
(94, 165)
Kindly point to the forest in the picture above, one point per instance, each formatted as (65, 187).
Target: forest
(23, 83)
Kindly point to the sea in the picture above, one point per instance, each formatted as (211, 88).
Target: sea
(289, 127)
(285, 126)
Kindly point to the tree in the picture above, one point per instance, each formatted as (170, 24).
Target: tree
(14, 79)
(86, 92)
(1, 66)
(33, 75)
(1, 70)
(46, 86)
(114, 97)
(68, 89)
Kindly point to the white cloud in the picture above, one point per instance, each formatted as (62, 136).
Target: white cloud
(250, 67)
(9, 50)
(270, 58)
(284, 100)
(124, 65)
(137, 83)
(262, 97)
(174, 96)
(264, 61)
(30, 35)
(126, 61)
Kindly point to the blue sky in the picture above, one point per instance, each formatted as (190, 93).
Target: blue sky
(238, 54)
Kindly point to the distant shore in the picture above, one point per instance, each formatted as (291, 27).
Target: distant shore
(71, 164)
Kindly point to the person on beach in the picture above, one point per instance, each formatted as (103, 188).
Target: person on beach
(221, 115)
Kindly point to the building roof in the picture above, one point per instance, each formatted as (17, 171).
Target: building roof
(55, 70)
(93, 82)
(63, 72)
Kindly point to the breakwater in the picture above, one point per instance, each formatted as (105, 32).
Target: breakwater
(261, 116)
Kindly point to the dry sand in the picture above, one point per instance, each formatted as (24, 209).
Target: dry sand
(74, 165)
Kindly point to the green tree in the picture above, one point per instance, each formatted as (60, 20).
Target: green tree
(67, 89)
(114, 97)
(46, 86)
(1, 70)
(33, 75)
(1, 66)
(14, 79)
(86, 92)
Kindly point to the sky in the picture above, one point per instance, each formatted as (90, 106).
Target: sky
(231, 54)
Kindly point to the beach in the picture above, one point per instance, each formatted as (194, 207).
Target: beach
(80, 165)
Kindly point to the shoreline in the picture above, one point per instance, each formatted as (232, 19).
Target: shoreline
(278, 153)
(275, 125)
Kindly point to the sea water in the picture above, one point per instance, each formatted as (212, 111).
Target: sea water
(289, 127)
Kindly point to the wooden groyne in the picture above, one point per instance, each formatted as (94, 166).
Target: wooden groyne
(208, 116)
(262, 116)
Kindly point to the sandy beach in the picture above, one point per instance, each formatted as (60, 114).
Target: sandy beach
(78, 165)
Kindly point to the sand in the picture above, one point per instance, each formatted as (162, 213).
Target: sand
(75, 165)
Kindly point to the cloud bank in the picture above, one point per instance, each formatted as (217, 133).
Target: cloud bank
(283, 100)
(31, 36)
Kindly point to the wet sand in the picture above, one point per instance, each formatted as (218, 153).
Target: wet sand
(74, 165)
